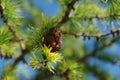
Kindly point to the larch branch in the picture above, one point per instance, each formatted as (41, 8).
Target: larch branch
(65, 18)
(105, 44)
(12, 30)
(97, 36)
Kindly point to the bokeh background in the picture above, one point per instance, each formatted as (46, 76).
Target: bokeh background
(106, 61)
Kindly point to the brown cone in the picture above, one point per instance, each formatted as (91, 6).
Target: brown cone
(53, 39)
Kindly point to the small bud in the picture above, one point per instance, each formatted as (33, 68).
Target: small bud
(98, 36)
(119, 32)
(113, 34)
(84, 36)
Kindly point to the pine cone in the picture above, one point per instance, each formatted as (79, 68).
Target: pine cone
(53, 39)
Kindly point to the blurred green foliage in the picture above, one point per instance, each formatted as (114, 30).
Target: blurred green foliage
(32, 24)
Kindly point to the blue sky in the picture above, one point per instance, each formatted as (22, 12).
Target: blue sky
(51, 9)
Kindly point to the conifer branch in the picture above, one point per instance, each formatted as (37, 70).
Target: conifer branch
(105, 44)
(97, 74)
(65, 18)
(101, 17)
(93, 53)
(11, 28)
(18, 39)
(111, 61)
(66, 74)
(70, 7)
(3, 55)
(97, 36)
